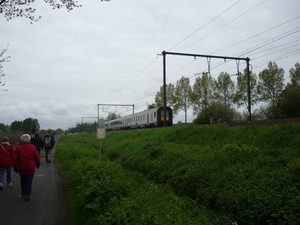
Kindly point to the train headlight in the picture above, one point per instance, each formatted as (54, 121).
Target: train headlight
(163, 118)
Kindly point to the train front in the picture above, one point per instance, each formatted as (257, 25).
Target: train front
(164, 116)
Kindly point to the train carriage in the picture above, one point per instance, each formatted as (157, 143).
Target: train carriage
(148, 118)
(114, 124)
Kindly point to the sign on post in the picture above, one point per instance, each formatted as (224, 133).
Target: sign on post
(101, 133)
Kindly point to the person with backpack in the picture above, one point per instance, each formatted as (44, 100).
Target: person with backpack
(48, 144)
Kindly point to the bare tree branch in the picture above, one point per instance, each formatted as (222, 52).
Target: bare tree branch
(2, 60)
(22, 8)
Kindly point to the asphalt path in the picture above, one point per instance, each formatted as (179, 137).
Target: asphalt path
(47, 205)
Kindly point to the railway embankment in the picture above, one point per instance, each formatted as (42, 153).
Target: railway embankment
(185, 174)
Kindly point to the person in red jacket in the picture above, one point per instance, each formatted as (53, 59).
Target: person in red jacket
(25, 161)
(6, 161)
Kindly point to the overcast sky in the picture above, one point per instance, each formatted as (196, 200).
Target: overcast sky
(66, 64)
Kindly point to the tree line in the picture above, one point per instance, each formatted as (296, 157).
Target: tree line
(219, 99)
(26, 126)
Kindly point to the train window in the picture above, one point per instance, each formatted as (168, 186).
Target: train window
(163, 112)
(154, 114)
(116, 122)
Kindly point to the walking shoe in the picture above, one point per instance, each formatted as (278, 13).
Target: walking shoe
(26, 198)
(21, 196)
(49, 161)
(1, 186)
(9, 185)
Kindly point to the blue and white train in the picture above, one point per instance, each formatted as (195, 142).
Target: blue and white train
(148, 118)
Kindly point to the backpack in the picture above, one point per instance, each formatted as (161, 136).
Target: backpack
(47, 143)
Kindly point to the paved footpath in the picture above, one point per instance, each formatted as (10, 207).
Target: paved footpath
(47, 205)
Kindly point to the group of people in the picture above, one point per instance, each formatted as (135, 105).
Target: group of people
(46, 143)
(24, 159)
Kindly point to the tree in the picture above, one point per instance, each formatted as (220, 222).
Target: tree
(29, 124)
(224, 89)
(270, 83)
(151, 106)
(295, 75)
(16, 126)
(241, 94)
(217, 113)
(112, 116)
(7, 128)
(289, 99)
(182, 96)
(59, 131)
(202, 94)
(2, 127)
(159, 97)
(22, 8)
(2, 60)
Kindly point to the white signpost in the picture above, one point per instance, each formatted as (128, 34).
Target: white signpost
(101, 133)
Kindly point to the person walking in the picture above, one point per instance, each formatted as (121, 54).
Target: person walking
(48, 144)
(25, 161)
(32, 136)
(6, 161)
(38, 142)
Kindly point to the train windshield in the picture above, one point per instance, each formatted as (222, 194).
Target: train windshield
(163, 112)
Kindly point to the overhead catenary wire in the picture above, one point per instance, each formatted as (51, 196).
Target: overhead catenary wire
(253, 51)
(205, 24)
(263, 44)
(208, 34)
(247, 39)
(284, 35)
(133, 78)
(181, 42)
(223, 25)
(275, 59)
(295, 52)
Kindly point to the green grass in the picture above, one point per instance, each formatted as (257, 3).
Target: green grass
(185, 174)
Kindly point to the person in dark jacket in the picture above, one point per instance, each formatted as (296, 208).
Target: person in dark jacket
(48, 144)
(25, 161)
(38, 142)
(32, 136)
(6, 161)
